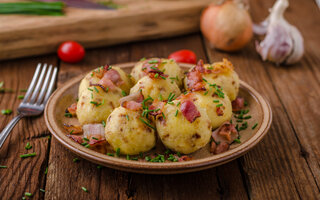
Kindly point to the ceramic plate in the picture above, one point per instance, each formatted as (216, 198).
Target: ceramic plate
(67, 94)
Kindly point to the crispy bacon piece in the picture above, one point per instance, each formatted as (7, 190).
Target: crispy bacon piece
(72, 109)
(223, 137)
(132, 105)
(184, 158)
(107, 83)
(238, 104)
(194, 78)
(76, 138)
(73, 129)
(155, 106)
(219, 111)
(114, 76)
(189, 111)
(93, 130)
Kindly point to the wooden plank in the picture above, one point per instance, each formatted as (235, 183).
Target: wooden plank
(137, 20)
(220, 182)
(276, 168)
(298, 86)
(22, 175)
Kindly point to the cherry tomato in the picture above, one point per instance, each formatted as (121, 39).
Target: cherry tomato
(184, 56)
(71, 52)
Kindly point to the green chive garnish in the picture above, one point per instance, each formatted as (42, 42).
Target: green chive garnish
(157, 75)
(86, 139)
(99, 166)
(3, 166)
(90, 89)
(42, 190)
(219, 105)
(96, 89)
(28, 194)
(87, 146)
(110, 154)
(176, 113)
(254, 126)
(127, 116)
(46, 171)
(23, 90)
(247, 117)
(68, 115)
(118, 152)
(76, 160)
(28, 146)
(28, 155)
(84, 189)
(95, 138)
(152, 61)
(216, 101)
(21, 97)
(6, 111)
(237, 140)
(123, 93)
(178, 103)
(146, 123)
(128, 157)
(103, 123)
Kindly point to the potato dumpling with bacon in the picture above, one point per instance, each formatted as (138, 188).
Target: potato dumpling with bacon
(127, 130)
(167, 66)
(212, 77)
(219, 110)
(183, 127)
(107, 77)
(95, 104)
(156, 88)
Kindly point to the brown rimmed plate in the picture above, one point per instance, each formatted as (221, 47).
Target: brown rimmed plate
(64, 96)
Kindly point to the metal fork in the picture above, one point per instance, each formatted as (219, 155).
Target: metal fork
(36, 97)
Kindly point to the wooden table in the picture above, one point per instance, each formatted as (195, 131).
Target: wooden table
(285, 165)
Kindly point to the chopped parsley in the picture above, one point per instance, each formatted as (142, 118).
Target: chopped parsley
(172, 158)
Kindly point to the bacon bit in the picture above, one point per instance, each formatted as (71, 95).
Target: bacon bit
(137, 97)
(72, 109)
(93, 130)
(186, 97)
(107, 83)
(194, 77)
(222, 147)
(238, 104)
(114, 76)
(72, 129)
(156, 105)
(189, 111)
(132, 105)
(93, 142)
(224, 136)
(219, 111)
(98, 85)
(184, 158)
(98, 73)
(76, 138)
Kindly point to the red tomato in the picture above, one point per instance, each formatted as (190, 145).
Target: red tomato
(71, 52)
(185, 56)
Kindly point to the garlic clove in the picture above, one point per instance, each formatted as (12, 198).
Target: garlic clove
(283, 43)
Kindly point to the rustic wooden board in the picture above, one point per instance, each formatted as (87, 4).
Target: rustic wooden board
(136, 20)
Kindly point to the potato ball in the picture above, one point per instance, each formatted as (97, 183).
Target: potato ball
(126, 129)
(220, 73)
(167, 66)
(156, 88)
(219, 110)
(178, 133)
(95, 104)
(94, 78)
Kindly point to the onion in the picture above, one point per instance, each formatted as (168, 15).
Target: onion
(227, 26)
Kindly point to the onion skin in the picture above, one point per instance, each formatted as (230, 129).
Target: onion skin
(227, 27)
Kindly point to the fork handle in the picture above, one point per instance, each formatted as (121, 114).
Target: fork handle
(5, 132)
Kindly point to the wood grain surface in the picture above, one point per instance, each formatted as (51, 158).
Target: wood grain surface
(285, 165)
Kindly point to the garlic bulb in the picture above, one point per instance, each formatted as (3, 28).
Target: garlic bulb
(283, 43)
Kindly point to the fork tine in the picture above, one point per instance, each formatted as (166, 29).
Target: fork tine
(37, 88)
(44, 85)
(51, 85)
(33, 83)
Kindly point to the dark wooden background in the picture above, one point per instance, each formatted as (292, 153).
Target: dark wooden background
(284, 165)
